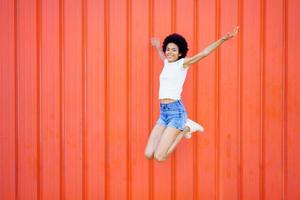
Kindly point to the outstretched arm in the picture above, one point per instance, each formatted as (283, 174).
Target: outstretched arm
(210, 48)
(155, 43)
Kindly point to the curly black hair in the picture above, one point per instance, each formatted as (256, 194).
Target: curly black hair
(179, 41)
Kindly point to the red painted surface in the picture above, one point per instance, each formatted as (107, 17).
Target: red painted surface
(79, 87)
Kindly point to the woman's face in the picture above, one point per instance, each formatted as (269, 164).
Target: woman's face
(172, 52)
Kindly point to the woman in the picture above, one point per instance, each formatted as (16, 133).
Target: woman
(173, 124)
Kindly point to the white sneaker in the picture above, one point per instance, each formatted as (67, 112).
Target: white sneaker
(193, 128)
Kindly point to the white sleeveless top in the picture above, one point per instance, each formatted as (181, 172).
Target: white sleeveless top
(171, 79)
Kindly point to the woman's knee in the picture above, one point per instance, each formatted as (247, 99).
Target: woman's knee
(148, 154)
(160, 157)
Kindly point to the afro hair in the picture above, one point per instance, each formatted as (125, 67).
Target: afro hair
(179, 41)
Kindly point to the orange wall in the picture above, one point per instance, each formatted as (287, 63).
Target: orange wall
(79, 85)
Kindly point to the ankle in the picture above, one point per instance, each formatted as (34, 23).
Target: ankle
(187, 129)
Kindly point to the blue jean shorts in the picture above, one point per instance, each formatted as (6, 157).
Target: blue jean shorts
(172, 115)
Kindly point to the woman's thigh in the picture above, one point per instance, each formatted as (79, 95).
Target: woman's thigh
(167, 139)
(154, 138)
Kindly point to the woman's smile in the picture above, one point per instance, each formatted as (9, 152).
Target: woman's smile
(172, 52)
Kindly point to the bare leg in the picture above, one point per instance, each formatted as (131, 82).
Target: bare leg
(167, 139)
(153, 140)
(177, 140)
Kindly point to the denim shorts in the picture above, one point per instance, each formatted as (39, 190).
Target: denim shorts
(172, 115)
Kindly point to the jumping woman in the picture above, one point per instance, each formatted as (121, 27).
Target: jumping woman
(173, 124)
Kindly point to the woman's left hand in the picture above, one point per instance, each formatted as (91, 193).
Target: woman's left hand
(155, 42)
(231, 34)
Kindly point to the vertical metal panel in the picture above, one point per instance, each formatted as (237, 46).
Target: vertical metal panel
(273, 118)
(207, 99)
(50, 99)
(228, 106)
(73, 110)
(292, 101)
(95, 101)
(28, 96)
(8, 96)
(139, 103)
(79, 88)
(117, 101)
(251, 100)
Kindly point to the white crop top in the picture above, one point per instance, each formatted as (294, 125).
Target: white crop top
(171, 79)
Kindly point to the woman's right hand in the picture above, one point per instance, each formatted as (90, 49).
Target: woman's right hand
(155, 42)
(231, 34)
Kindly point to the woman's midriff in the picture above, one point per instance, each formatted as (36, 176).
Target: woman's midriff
(167, 100)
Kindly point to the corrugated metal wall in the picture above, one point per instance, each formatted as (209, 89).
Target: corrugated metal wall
(79, 85)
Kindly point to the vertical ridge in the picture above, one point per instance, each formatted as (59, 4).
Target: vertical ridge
(38, 71)
(195, 105)
(16, 99)
(61, 100)
(84, 98)
(262, 98)
(284, 98)
(128, 85)
(240, 101)
(106, 100)
(173, 15)
(173, 156)
(150, 89)
(217, 101)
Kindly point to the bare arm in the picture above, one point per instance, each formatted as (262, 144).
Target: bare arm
(155, 43)
(209, 49)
